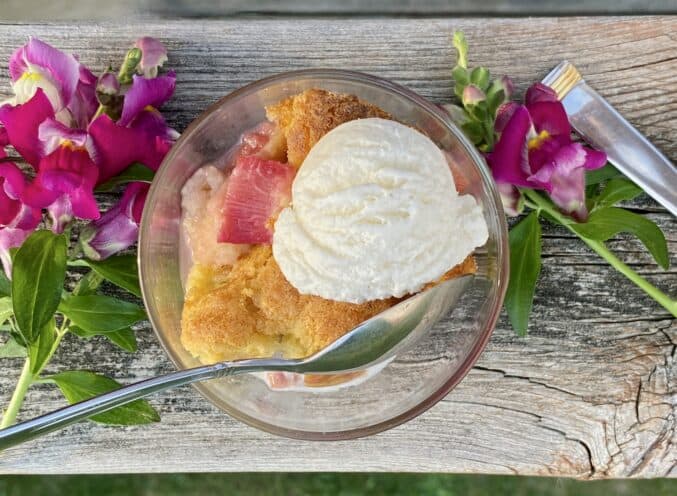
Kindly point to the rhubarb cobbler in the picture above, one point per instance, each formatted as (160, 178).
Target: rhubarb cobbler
(325, 215)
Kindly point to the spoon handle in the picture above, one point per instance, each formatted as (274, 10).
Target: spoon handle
(30, 429)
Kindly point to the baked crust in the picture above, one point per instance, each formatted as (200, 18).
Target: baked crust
(252, 311)
(306, 117)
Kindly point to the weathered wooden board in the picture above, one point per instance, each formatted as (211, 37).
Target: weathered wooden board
(69, 10)
(592, 392)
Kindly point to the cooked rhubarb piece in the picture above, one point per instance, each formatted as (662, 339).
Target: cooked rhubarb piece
(266, 140)
(257, 190)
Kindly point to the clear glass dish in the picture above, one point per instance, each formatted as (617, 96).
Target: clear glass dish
(407, 386)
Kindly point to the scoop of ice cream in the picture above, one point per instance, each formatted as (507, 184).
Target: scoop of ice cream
(374, 214)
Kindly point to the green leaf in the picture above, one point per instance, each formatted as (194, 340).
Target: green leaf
(5, 309)
(38, 275)
(12, 349)
(525, 266)
(123, 338)
(100, 314)
(79, 385)
(494, 88)
(39, 350)
(88, 284)
(461, 46)
(5, 284)
(605, 223)
(478, 112)
(121, 270)
(617, 189)
(474, 131)
(461, 80)
(601, 175)
(494, 100)
(135, 172)
(479, 76)
(460, 75)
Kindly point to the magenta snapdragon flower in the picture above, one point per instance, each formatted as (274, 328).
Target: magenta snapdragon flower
(535, 150)
(55, 122)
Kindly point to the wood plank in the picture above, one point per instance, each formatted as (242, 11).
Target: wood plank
(36, 10)
(590, 393)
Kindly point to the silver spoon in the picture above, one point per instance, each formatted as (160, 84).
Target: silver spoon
(375, 340)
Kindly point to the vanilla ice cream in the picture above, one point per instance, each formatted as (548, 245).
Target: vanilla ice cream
(374, 214)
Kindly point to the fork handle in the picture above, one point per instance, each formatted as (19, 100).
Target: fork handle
(626, 148)
(49, 422)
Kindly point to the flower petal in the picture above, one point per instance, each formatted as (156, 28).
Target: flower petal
(538, 92)
(542, 153)
(14, 180)
(146, 92)
(10, 237)
(152, 122)
(84, 103)
(13, 212)
(512, 200)
(118, 228)
(17, 63)
(504, 114)
(506, 160)
(108, 84)
(66, 171)
(63, 68)
(550, 117)
(564, 178)
(9, 207)
(117, 147)
(154, 54)
(61, 213)
(508, 87)
(21, 123)
(565, 160)
(140, 193)
(53, 133)
(594, 159)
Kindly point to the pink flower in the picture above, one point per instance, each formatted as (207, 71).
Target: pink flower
(108, 84)
(118, 228)
(21, 123)
(49, 123)
(68, 85)
(67, 174)
(535, 151)
(154, 54)
(117, 147)
(17, 220)
(146, 93)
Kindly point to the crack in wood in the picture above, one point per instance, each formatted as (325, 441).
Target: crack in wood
(525, 378)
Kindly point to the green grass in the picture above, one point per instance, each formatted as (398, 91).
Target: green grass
(322, 484)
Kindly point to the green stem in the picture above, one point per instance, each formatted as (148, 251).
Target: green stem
(25, 380)
(600, 248)
(99, 111)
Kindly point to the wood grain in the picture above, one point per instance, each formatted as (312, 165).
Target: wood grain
(70, 10)
(591, 393)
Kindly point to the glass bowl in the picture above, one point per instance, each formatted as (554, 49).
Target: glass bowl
(408, 385)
